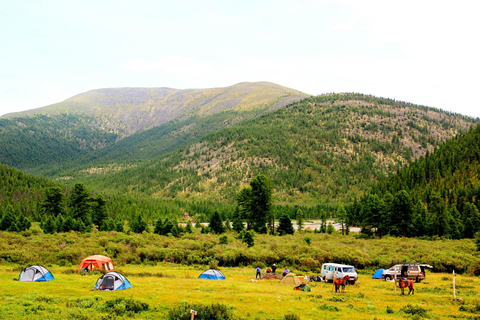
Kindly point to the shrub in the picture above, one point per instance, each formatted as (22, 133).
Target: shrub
(415, 310)
(223, 240)
(291, 317)
(121, 306)
(216, 311)
(328, 307)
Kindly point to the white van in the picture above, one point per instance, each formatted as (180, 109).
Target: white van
(341, 270)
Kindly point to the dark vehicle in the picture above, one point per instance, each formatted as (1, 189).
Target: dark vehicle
(408, 270)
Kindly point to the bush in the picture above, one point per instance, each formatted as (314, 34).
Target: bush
(291, 317)
(215, 311)
(415, 310)
(121, 306)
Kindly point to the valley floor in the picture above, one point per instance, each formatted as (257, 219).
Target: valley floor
(164, 285)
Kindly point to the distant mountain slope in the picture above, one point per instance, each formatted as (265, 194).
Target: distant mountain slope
(138, 109)
(74, 132)
(325, 149)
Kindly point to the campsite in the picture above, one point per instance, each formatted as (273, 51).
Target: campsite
(161, 283)
(166, 284)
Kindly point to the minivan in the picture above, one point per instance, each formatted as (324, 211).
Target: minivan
(341, 270)
(409, 270)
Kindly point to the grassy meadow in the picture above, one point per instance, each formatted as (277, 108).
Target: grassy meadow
(165, 285)
(163, 271)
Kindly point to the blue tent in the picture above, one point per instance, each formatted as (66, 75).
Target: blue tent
(112, 281)
(212, 274)
(34, 274)
(378, 274)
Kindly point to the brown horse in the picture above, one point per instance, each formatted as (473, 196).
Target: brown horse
(404, 283)
(340, 282)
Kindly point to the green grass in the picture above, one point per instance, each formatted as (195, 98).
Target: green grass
(165, 285)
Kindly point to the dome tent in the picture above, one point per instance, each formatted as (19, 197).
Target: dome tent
(291, 278)
(34, 274)
(112, 281)
(97, 262)
(212, 274)
(378, 274)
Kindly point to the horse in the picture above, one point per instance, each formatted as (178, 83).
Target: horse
(405, 283)
(340, 282)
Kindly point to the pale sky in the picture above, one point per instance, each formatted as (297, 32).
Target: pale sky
(423, 52)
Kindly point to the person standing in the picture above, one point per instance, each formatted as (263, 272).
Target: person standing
(259, 274)
(274, 268)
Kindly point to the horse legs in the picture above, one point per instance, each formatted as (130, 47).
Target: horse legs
(343, 287)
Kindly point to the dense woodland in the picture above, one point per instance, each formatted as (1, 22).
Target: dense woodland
(436, 195)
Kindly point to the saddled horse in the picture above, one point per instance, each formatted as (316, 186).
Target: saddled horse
(404, 283)
(341, 282)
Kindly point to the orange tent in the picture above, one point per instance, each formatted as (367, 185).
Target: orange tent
(97, 262)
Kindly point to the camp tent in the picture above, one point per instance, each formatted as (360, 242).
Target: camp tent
(378, 274)
(35, 273)
(97, 262)
(112, 281)
(303, 287)
(212, 274)
(291, 278)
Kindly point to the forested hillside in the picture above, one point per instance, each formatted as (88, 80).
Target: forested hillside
(46, 141)
(89, 128)
(436, 195)
(319, 151)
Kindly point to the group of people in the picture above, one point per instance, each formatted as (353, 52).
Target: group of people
(270, 270)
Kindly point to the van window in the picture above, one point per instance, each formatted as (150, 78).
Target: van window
(349, 269)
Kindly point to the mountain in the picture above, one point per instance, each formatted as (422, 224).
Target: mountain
(79, 130)
(322, 150)
(438, 193)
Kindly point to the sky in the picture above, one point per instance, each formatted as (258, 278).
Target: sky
(423, 52)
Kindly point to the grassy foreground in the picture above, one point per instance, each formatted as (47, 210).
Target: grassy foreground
(165, 285)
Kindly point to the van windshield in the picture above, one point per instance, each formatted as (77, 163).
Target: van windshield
(351, 269)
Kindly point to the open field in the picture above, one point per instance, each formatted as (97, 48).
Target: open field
(164, 285)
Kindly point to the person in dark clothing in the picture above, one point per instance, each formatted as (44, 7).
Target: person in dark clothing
(274, 268)
(259, 274)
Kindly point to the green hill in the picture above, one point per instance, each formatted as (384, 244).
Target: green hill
(319, 151)
(79, 130)
(438, 194)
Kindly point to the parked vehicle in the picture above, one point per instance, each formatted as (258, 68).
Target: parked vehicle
(409, 270)
(340, 270)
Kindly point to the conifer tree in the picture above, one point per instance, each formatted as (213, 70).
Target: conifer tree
(8, 219)
(99, 210)
(79, 202)
(54, 201)
(49, 225)
(285, 225)
(342, 215)
(138, 224)
(216, 223)
(249, 238)
(299, 220)
(189, 227)
(158, 227)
